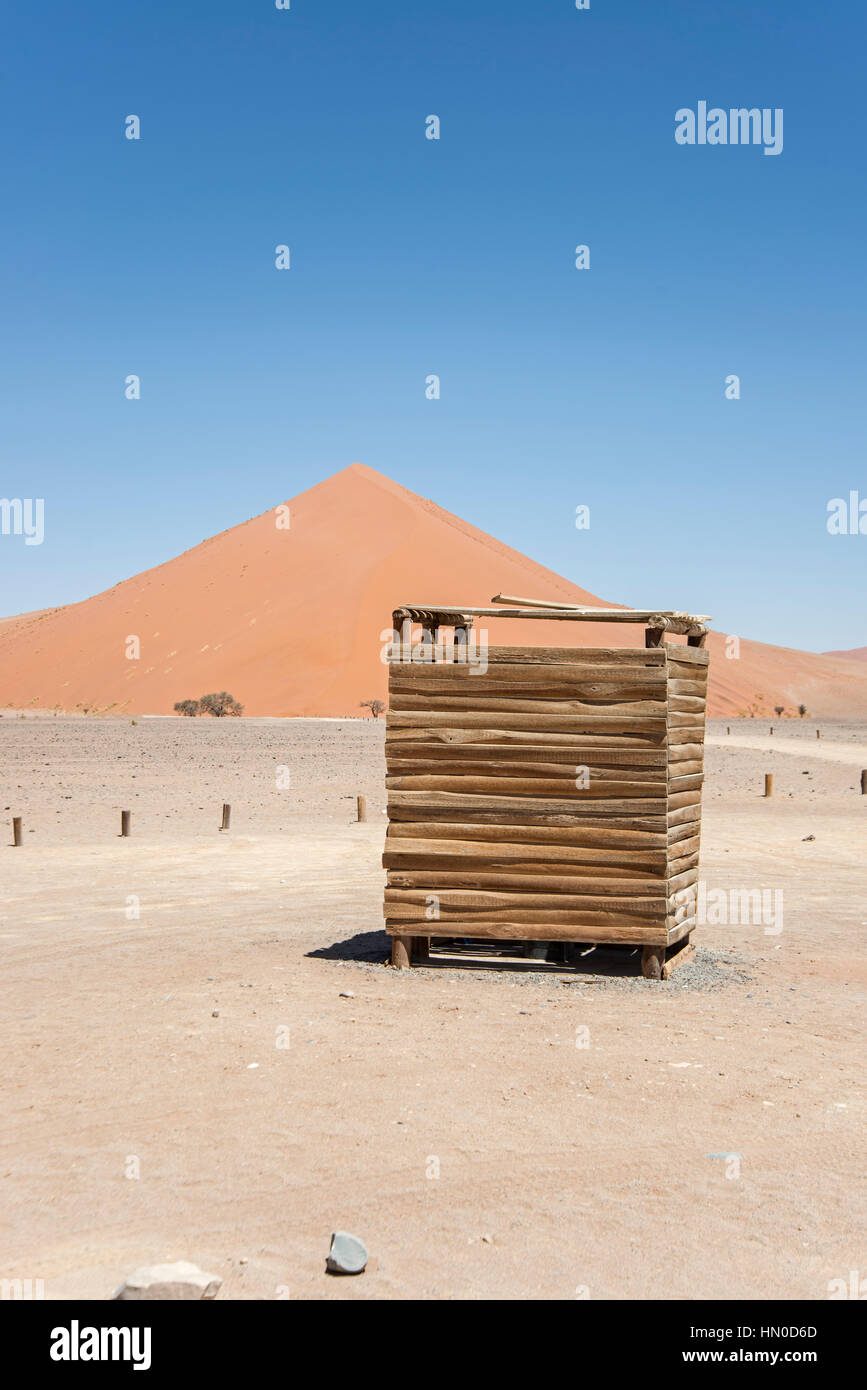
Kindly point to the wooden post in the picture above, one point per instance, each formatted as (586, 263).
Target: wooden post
(16, 832)
(818, 733)
(652, 960)
(769, 784)
(361, 803)
(728, 729)
(771, 730)
(864, 781)
(400, 952)
(124, 824)
(227, 816)
(421, 949)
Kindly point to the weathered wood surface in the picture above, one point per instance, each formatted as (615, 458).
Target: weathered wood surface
(483, 765)
(506, 929)
(574, 656)
(486, 814)
(469, 901)
(576, 710)
(496, 880)
(685, 753)
(525, 738)
(600, 613)
(677, 623)
(415, 805)
(472, 784)
(432, 674)
(575, 754)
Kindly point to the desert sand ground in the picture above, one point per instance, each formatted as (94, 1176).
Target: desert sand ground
(151, 1043)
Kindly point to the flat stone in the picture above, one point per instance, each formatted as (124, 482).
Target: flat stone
(169, 1281)
(348, 1254)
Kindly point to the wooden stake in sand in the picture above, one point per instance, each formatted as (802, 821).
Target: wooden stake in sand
(16, 832)
(728, 729)
(864, 781)
(361, 803)
(227, 816)
(818, 733)
(771, 730)
(769, 784)
(124, 824)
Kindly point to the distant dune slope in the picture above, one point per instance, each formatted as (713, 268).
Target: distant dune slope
(290, 620)
(856, 654)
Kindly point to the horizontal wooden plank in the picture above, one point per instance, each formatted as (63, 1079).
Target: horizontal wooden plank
(677, 799)
(684, 879)
(686, 752)
(423, 802)
(687, 843)
(525, 907)
(578, 656)
(684, 815)
(634, 933)
(685, 781)
(484, 766)
(679, 771)
(515, 704)
(530, 856)
(689, 720)
(583, 837)
(414, 675)
(686, 861)
(692, 735)
(442, 614)
(591, 692)
(676, 931)
(686, 690)
(687, 704)
(528, 816)
(563, 788)
(573, 724)
(687, 656)
(683, 825)
(599, 760)
(431, 881)
(526, 737)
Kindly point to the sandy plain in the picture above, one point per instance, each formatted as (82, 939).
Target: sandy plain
(149, 987)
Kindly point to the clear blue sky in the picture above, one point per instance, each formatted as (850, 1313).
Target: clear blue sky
(410, 257)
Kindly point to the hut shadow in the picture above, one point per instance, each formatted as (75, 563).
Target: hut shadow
(372, 947)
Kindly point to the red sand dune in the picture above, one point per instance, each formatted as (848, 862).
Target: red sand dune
(854, 654)
(289, 620)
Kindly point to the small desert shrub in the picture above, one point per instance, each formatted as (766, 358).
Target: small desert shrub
(220, 704)
(375, 706)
